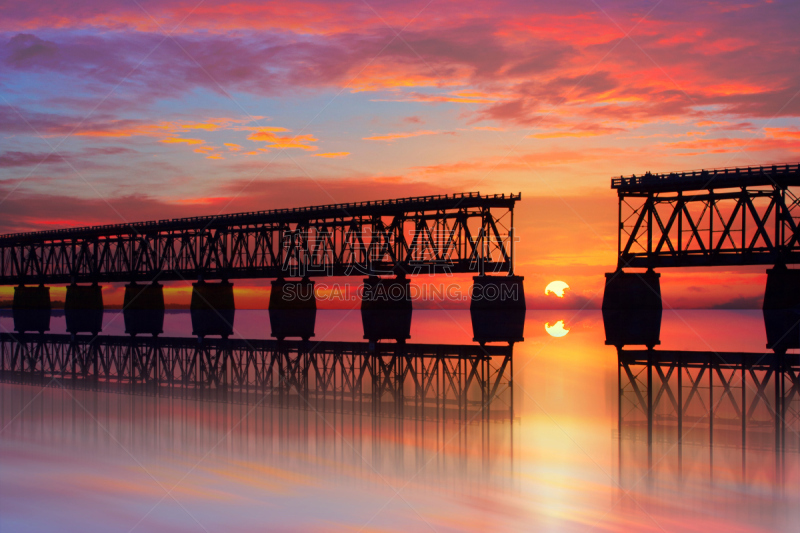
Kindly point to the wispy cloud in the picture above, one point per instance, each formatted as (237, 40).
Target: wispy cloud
(332, 155)
(403, 135)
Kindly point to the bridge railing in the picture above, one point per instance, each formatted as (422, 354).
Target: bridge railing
(703, 177)
(153, 224)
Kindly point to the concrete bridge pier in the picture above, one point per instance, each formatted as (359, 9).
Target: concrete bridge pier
(497, 309)
(31, 308)
(83, 308)
(626, 290)
(782, 308)
(143, 308)
(386, 308)
(632, 308)
(292, 308)
(212, 309)
(783, 288)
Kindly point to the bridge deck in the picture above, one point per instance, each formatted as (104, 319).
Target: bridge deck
(718, 178)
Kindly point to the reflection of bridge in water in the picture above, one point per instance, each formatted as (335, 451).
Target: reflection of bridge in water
(685, 411)
(409, 380)
(395, 408)
(711, 419)
(746, 400)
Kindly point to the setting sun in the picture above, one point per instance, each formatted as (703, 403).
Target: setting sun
(556, 287)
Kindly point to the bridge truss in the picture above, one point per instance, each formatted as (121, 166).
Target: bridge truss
(466, 232)
(729, 216)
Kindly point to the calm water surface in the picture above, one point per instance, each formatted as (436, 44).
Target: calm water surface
(576, 442)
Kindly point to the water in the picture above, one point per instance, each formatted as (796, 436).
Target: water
(558, 448)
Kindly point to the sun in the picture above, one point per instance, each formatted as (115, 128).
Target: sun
(557, 329)
(556, 287)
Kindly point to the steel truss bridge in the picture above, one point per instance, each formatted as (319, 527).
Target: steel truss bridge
(466, 232)
(728, 216)
(727, 399)
(413, 380)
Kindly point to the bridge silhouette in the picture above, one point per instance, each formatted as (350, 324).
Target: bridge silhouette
(719, 217)
(345, 400)
(383, 241)
(419, 381)
(466, 232)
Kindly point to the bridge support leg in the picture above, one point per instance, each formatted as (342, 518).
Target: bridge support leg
(632, 308)
(292, 309)
(497, 309)
(31, 309)
(782, 308)
(386, 308)
(83, 309)
(212, 309)
(143, 309)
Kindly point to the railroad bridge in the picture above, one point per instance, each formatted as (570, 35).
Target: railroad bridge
(719, 217)
(383, 241)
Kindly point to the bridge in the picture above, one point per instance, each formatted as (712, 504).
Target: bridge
(717, 217)
(383, 241)
(467, 233)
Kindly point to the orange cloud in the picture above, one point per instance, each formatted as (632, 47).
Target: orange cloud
(233, 147)
(460, 97)
(783, 133)
(124, 128)
(269, 136)
(332, 155)
(206, 127)
(175, 140)
(589, 133)
(214, 156)
(393, 136)
(783, 140)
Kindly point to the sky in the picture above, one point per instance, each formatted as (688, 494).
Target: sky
(125, 110)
